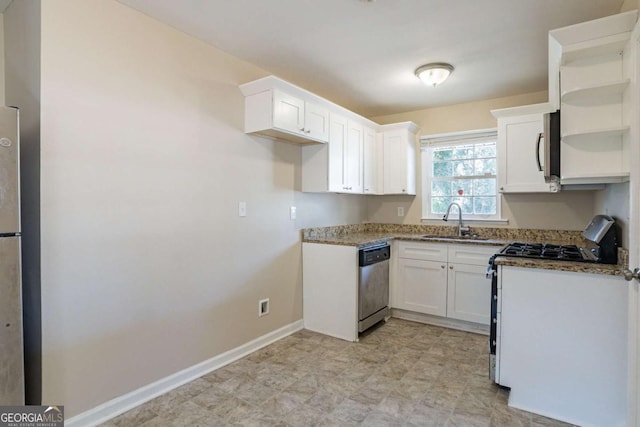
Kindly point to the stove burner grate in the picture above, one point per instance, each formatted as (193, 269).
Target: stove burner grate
(544, 251)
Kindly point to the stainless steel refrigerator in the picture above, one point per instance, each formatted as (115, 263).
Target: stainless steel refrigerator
(11, 338)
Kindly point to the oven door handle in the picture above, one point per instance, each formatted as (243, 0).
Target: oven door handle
(490, 272)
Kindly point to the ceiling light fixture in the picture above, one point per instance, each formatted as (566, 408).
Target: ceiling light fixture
(435, 73)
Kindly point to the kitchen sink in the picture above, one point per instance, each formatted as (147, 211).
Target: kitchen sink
(467, 237)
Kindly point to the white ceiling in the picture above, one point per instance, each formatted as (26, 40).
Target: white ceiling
(362, 55)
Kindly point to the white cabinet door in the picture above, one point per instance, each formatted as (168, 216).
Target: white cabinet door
(399, 162)
(563, 344)
(316, 121)
(521, 155)
(372, 162)
(468, 293)
(353, 158)
(422, 286)
(338, 165)
(330, 289)
(338, 131)
(288, 112)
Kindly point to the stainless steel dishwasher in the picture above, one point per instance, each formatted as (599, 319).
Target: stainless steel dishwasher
(373, 285)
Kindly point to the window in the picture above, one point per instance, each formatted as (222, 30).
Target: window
(460, 168)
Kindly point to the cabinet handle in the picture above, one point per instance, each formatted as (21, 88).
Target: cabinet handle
(404, 191)
(451, 267)
(301, 129)
(442, 266)
(308, 131)
(501, 188)
(538, 152)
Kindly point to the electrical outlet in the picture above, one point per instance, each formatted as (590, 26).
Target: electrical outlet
(242, 209)
(263, 307)
(400, 211)
(292, 213)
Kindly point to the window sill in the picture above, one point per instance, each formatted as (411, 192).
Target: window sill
(452, 220)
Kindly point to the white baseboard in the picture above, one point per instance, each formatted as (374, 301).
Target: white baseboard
(122, 404)
(445, 322)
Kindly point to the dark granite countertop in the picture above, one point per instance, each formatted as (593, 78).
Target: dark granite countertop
(545, 264)
(360, 235)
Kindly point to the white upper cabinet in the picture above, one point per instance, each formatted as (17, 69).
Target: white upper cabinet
(288, 112)
(354, 154)
(280, 110)
(336, 166)
(594, 61)
(399, 158)
(278, 114)
(353, 158)
(521, 150)
(345, 156)
(316, 121)
(372, 162)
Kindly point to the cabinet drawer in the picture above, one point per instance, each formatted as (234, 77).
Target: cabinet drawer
(424, 251)
(471, 254)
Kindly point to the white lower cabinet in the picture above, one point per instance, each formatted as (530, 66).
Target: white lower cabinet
(562, 344)
(443, 280)
(330, 289)
(424, 286)
(469, 293)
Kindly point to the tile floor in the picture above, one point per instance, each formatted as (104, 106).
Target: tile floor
(400, 374)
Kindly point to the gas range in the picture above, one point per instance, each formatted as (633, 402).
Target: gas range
(547, 251)
(601, 232)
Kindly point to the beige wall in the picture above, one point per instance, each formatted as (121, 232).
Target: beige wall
(566, 210)
(630, 5)
(146, 267)
(2, 101)
(614, 201)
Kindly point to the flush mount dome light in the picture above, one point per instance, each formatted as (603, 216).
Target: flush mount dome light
(435, 73)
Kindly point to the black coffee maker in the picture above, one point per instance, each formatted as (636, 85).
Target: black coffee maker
(602, 231)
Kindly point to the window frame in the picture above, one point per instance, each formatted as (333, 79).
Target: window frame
(430, 142)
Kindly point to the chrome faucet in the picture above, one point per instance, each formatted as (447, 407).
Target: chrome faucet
(462, 230)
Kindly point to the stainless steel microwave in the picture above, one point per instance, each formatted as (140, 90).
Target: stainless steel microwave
(551, 137)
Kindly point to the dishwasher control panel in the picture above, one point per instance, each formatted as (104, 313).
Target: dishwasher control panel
(374, 254)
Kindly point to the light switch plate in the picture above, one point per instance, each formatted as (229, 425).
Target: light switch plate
(292, 212)
(242, 209)
(400, 211)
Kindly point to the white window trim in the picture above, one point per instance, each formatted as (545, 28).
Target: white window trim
(427, 143)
